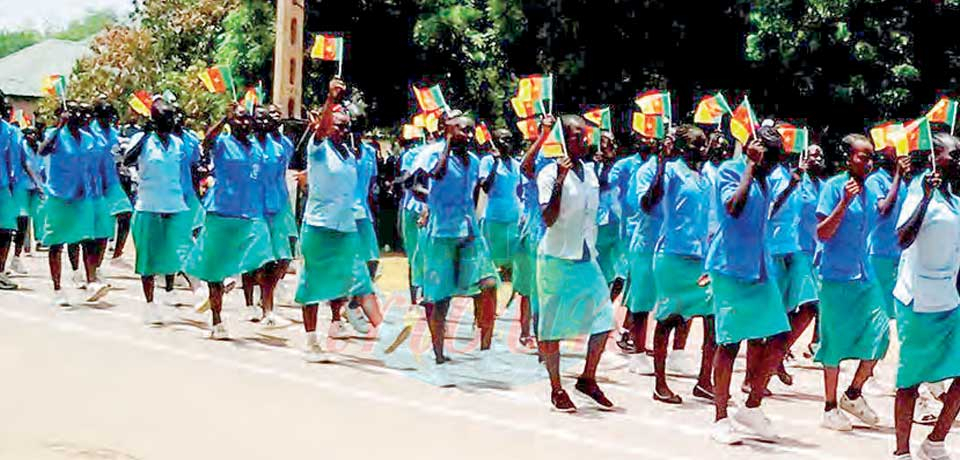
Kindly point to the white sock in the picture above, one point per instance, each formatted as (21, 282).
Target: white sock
(312, 338)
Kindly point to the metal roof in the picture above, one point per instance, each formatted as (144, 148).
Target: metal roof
(22, 73)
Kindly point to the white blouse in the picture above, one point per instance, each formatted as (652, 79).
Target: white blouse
(577, 221)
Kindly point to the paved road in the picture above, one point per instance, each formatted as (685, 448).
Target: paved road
(92, 382)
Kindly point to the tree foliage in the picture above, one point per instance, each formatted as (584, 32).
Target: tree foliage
(80, 29)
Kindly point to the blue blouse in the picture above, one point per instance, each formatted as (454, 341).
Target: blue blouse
(450, 199)
(646, 230)
(809, 198)
(737, 250)
(684, 204)
(366, 172)
(277, 152)
(332, 177)
(161, 189)
(68, 165)
(503, 204)
(882, 239)
(843, 257)
(238, 169)
(782, 234)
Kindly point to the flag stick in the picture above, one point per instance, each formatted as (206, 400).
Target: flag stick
(954, 121)
(339, 67)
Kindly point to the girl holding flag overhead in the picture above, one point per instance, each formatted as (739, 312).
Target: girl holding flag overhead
(571, 292)
(853, 322)
(746, 301)
(928, 320)
(235, 237)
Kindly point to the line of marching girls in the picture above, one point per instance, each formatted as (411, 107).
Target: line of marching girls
(725, 224)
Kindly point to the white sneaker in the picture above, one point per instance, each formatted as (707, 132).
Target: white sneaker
(756, 421)
(120, 265)
(859, 409)
(219, 332)
(680, 362)
(724, 433)
(902, 457)
(170, 298)
(251, 313)
(339, 331)
(60, 299)
(97, 291)
(79, 279)
(314, 353)
(357, 320)
(17, 267)
(151, 314)
(836, 421)
(932, 450)
(640, 364)
(271, 321)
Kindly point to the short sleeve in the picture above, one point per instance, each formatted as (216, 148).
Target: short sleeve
(876, 190)
(486, 167)
(545, 180)
(728, 180)
(910, 204)
(829, 197)
(645, 177)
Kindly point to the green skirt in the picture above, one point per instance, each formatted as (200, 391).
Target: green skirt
(454, 267)
(677, 290)
(9, 210)
(283, 227)
(117, 200)
(65, 221)
(641, 287)
(525, 266)
(795, 278)
(197, 211)
(853, 324)
(929, 346)
(411, 240)
(331, 266)
(369, 247)
(502, 239)
(610, 252)
(573, 299)
(163, 242)
(885, 272)
(27, 202)
(746, 310)
(229, 246)
(104, 222)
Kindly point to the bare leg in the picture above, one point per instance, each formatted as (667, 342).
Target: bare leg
(616, 288)
(370, 305)
(661, 336)
(310, 317)
(708, 349)
(595, 347)
(216, 301)
(436, 321)
(6, 237)
(91, 257)
(722, 370)
(680, 336)
(53, 259)
(248, 280)
(951, 406)
(148, 283)
(903, 409)
(123, 230)
(487, 309)
(73, 255)
(23, 223)
(524, 316)
(638, 329)
(864, 372)
(771, 355)
(550, 353)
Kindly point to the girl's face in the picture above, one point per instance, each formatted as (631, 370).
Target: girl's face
(947, 156)
(240, 122)
(860, 161)
(575, 133)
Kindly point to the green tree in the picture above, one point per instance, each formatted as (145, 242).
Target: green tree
(80, 29)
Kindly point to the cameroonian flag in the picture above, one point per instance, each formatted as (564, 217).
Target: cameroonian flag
(55, 85)
(744, 122)
(430, 99)
(886, 135)
(327, 48)
(594, 134)
(600, 117)
(795, 140)
(529, 128)
(554, 146)
(535, 87)
(526, 108)
(217, 79)
(427, 120)
(648, 125)
(944, 111)
(915, 136)
(710, 109)
(411, 132)
(655, 102)
(482, 134)
(141, 102)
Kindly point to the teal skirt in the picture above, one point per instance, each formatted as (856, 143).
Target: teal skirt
(746, 310)
(885, 272)
(163, 242)
(117, 200)
(641, 286)
(454, 267)
(678, 293)
(853, 324)
(65, 221)
(283, 227)
(795, 278)
(331, 266)
(411, 240)
(929, 346)
(196, 211)
(27, 202)
(573, 299)
(525, 266)
(229, 246)
(369, 247)
(9, 210)
(610, 252)
(104, 222)
(502, 239)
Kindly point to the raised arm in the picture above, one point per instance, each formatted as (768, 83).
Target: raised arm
(324, 123)
(907, 233)
(529, 161)
(654, 193)
(828, 226)
(889, 202)
(551, 210)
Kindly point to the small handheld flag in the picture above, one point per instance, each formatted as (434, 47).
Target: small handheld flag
(537, 87)
(328, 48)
(744, 122)
(710, 110)
(251, 100)
(428, 120)
(600, 117)
(944, 111)
(482, 134)
(916, 135)
(430, 99)
(141, 102)
(554, 146)
(655, 102)
(647, 125)
(218, 79)
(525, 108)
(594, 135)
(886, 135)
(529, 129)
(795, 140)
(56, 86)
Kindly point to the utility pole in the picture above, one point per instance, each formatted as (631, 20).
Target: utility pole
(288, 58)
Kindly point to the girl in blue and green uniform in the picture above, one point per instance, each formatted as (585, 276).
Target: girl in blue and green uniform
(499, 179)
(683, 196)
(235, 237)
(26, 191)
(928, 320)
(332, 267)
(853, 321)
(411, 207)
(70, 207)
(610, 250)
(747, 304)
(9, 209)
(115, 203)
(885, 189)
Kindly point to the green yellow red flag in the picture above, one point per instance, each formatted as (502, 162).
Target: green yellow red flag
(647, 125)
(743, 124)
(141, 102)
(554, 146)
(655, 102)
(710, 109)
(600, 117)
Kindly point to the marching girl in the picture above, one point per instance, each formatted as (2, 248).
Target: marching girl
(571, 292)
(885, 190)
(162, 221)
(928, 322)
(115, 202)
(499, 179)
(609, 247)
(69, 210)
(747, 304)
(682, 194)
(410, 209)
(457, 260)
(235, 237)
(853, 322)
(26, 192)
(331, 246)
(9, 149)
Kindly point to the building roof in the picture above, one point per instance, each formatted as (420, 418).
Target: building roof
(22, 73)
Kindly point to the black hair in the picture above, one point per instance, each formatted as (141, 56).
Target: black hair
(771, 139)
(847, 142)
(685, 135)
